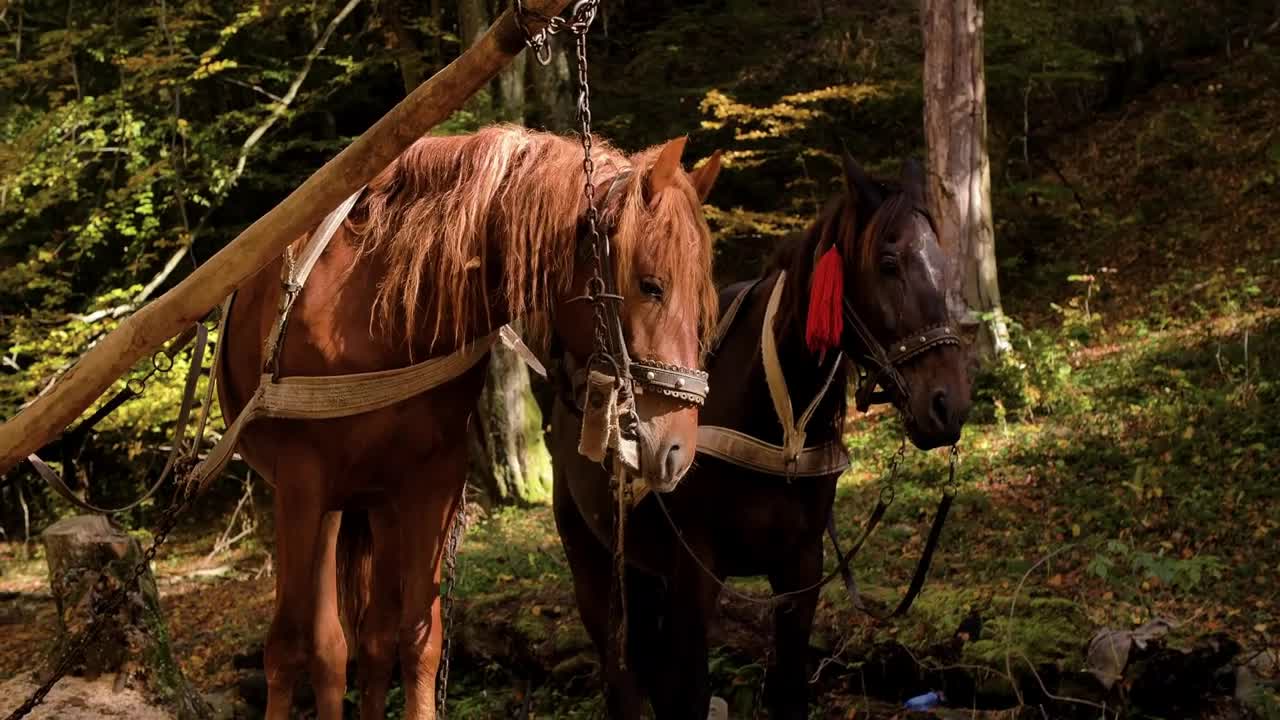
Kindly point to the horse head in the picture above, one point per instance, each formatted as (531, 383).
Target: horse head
(656, 276)
(895, 314)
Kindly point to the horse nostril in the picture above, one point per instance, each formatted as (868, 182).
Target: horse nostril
(671, 464)
(938, 408)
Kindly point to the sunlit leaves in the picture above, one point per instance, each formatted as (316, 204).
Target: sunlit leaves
(789, 114)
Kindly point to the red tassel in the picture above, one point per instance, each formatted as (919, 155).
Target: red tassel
(826, 303)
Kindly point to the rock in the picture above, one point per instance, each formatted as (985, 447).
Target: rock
(89, 560)
(1108, 653)
(1257, 678)
(223, 705)
(1177, 683)
(77, 698)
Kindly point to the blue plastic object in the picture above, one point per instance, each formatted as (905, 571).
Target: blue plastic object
(927, 701)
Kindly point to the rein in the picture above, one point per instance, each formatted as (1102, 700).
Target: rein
(882, 365)
(844, 561)
(877, 366)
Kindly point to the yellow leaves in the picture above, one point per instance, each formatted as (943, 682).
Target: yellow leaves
(744, 222)
(790, 113)
(210, 69)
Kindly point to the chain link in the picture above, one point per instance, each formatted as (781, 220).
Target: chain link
(102, 611)
(953, 484)
(456, 531)
(889, 483)
(161, 362)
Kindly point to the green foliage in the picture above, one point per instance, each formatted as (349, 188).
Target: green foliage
(1035, 377)
(123, 140)
(1183, 574)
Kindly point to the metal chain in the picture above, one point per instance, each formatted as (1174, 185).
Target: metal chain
(596, 291)
(579, 23)
(107, 608)
(162, 362)
(889, 481)
(454, 541)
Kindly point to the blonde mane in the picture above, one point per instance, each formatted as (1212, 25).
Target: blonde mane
(435, 215)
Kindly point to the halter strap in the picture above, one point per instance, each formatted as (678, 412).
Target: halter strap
(647, 375)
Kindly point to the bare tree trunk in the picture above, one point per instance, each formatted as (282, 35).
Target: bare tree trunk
(509, 458)
(551, 106)
(955, 119)
(507, 90)
(509, 100)
(409, 57)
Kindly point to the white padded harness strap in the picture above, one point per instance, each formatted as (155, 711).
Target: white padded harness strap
(334, 396)
(792, 458)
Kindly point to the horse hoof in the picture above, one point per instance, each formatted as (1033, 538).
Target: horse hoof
(719, 709)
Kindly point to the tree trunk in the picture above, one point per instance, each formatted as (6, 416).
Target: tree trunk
(506, 92)
(551, 105)
(509, 458)
(409, 57)
(955, 119)
(134, 644)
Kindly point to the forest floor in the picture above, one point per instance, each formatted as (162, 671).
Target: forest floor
(1121, 467)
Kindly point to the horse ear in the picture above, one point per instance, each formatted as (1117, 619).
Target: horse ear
(704, 176)
(665, 167)
(861, 189)
(913, 180)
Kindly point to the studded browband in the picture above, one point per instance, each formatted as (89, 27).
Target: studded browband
(648, 376)
(882, 365)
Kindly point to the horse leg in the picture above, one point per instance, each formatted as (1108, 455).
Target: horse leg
(426, 510)
(591, 565)
(299, 517)
(328, 666)
(380, 621)
(787, 687)
(679, 682)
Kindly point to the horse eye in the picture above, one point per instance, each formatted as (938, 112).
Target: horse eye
(651, 286)
(889, 264)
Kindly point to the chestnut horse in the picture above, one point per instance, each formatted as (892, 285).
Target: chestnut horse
(742, 521)
(455, 238)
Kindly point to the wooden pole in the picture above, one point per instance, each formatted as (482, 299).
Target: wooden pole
(148, 328)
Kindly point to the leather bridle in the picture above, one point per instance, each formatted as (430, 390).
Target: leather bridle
(688, 385)
(880, 366)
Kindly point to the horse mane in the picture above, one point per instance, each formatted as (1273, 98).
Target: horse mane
(436, 213)
(840, 224)
(856, 235)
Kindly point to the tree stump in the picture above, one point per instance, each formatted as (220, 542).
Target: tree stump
(89, 560)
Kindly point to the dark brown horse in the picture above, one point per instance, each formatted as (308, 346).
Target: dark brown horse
(457, 237)
(745, 522)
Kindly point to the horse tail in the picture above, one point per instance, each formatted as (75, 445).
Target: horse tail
(354, 568)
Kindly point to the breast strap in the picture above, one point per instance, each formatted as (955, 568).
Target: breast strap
(792, 458)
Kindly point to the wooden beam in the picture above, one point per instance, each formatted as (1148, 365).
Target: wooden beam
(147, 329)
